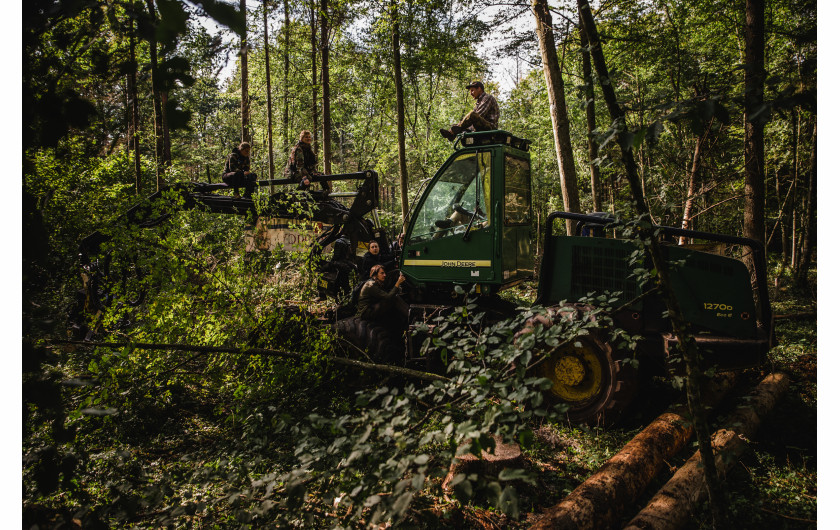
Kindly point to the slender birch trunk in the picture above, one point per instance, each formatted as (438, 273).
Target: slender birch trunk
(559, 114)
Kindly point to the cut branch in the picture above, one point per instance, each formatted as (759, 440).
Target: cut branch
(397, 370)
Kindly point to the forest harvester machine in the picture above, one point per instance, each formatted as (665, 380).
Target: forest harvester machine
(471, 231)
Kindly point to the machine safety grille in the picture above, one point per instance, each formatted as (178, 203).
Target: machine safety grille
(602, 269)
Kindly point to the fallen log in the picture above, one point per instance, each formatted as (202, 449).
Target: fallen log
(599, 500)
(673, 504)
(386, 368)
(796, 316)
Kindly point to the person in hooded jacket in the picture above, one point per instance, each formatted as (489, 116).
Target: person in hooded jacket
(302, 162)
(238, 171)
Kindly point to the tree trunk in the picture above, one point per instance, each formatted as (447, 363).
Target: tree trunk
(314, 59)
(693, 177)
(153, 60)
(589, 94)
(268, 96)
(599, 501)
(787, 220)
(286, 140)
(398, 83)
(686, 345)
(325, 91)
(810, 222)
(754, 117)
(673, 505)
(134, 133)
(167, 141)
(243, 56)
(559, 114)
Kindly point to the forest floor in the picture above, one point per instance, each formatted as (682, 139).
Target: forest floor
(147, 465)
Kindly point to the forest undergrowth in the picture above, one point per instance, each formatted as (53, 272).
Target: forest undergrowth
(127, 437)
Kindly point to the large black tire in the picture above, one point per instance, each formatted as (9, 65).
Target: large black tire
(380, 343)
(587, 376)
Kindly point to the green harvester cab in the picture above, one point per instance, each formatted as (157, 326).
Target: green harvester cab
(472, 224)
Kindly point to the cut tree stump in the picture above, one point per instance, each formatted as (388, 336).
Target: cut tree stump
(504, 456)
(673, 504)
(599, 501)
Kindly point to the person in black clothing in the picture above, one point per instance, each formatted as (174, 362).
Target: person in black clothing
(397, 246)
(374, 256)
(377, 304)
(238, 171)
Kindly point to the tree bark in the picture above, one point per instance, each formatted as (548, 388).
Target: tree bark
(268, 96)
(686, 345)
(134, 133)
(754, 117)
(693, 177)
(325, 90)
(314, 59)
(287, 46)
(589, 94)
(167, 140)
(243, 57)
(153, 60)
(810, 222)
(672, 506)
(398, 83)
(559, 114)
(599, 501)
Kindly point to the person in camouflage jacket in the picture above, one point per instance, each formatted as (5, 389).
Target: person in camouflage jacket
(302, 162)
(238, 171)
(484, 117)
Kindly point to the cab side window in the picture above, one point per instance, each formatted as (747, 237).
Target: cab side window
(517, 191)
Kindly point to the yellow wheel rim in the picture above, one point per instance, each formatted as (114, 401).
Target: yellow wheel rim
(575, 373)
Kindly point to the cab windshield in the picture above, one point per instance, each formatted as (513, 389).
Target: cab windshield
(459, 196)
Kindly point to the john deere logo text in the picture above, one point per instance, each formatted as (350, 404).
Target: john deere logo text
(457, 264)
(460, 264)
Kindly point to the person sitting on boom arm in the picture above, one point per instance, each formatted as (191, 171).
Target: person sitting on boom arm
(238, 171)
(302, 162)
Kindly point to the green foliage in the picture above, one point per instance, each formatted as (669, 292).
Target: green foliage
(397, 442)
(122, 437)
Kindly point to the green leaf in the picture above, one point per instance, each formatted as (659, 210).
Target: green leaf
(373, 500)
(224, 14)
(401, 504)
(99, 412)
(626, 140)
(509, 502)
(463, 491)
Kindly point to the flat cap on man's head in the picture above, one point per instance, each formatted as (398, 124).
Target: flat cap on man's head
(476, 84)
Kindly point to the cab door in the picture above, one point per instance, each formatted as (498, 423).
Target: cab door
(517, 250)
(450, 238)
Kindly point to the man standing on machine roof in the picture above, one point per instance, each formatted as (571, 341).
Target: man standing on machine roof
(484, 117)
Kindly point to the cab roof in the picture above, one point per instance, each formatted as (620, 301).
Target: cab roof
(495, 137)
